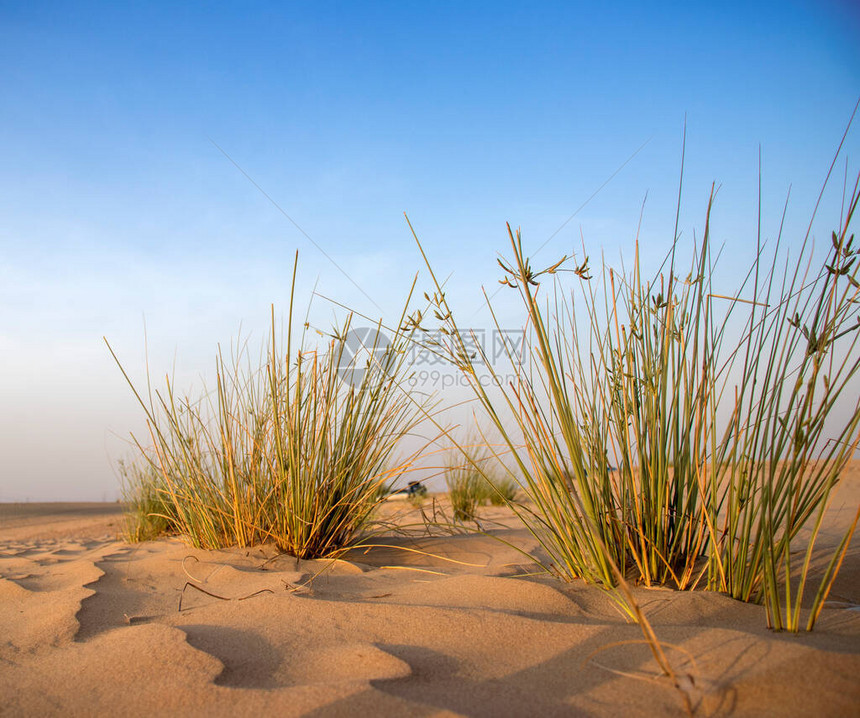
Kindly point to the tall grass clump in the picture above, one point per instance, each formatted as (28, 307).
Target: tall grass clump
(501, 490)
(474, 478)
(785, 447)
(147, 514)
(465, 490)
(296, 449)
(675, 434)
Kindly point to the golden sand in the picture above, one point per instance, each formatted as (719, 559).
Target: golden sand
(89, 624)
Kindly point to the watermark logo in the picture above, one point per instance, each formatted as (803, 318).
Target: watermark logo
(362, 347)
(365, 346)
(497, 345)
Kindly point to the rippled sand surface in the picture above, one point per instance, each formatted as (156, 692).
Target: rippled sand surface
(90, 624)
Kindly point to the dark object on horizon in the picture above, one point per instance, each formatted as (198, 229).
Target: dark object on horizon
(415, 488)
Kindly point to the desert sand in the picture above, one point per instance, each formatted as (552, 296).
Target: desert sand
(424, 626)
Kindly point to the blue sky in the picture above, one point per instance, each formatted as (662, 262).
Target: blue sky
(117, 205)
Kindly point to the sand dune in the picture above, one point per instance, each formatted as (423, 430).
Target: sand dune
(89, 624)
(45, 521)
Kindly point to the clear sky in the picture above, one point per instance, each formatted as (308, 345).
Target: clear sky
(116, 203)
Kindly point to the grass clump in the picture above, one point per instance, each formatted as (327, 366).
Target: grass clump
(463, 490)
(298, 450)
(639, 373)
(785, 445)
(473, 481)
(501, 491)
(147, 513)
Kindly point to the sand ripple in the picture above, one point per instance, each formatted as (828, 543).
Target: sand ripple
(92, 625)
